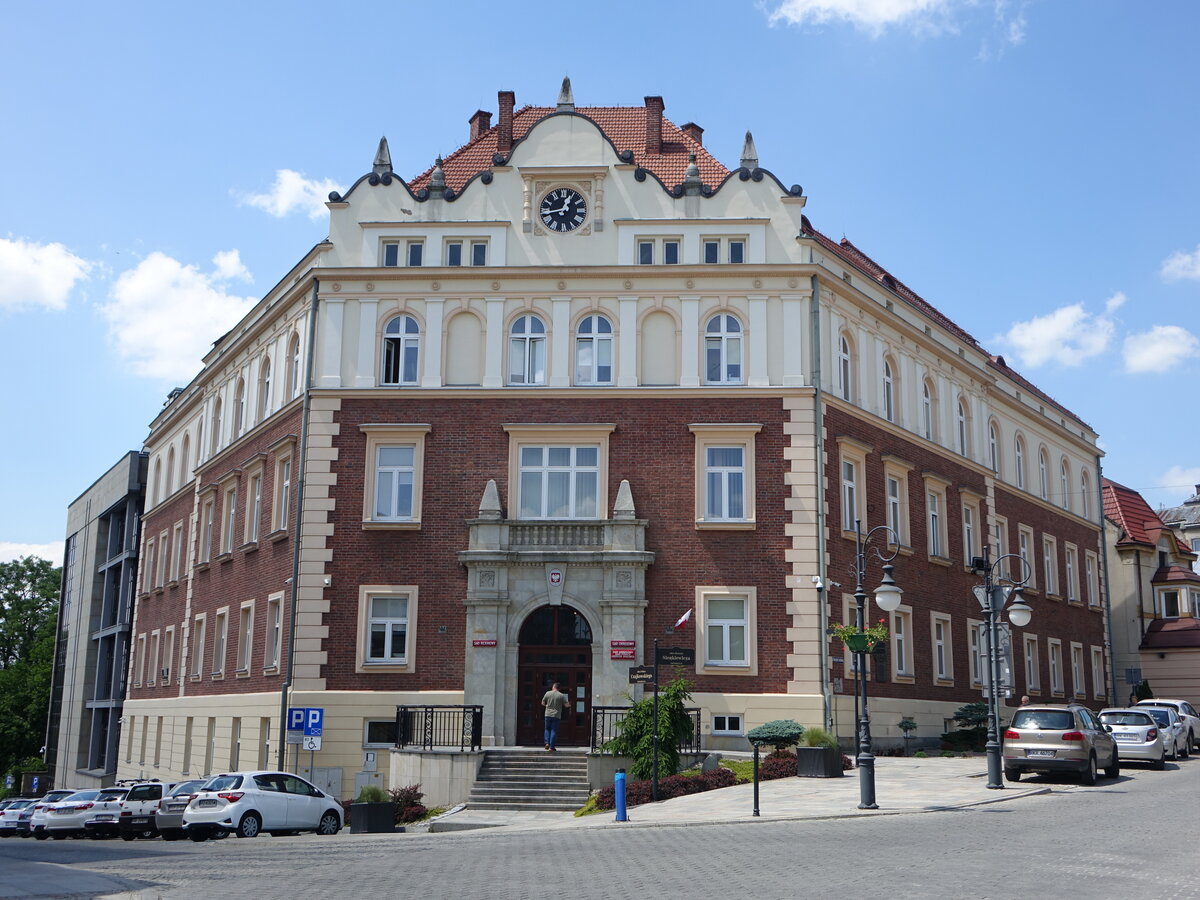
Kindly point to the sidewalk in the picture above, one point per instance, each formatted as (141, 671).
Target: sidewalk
(902, 785)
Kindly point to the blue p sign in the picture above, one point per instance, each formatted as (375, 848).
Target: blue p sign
(313, 721)
(296, 718)
(37, 783)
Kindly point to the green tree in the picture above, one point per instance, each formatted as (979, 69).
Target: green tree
(28, 621)
(636, 739)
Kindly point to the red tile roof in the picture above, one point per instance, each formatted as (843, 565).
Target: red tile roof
(1175, 575)
(1165, 634)
(625, 126)
(1126, 509)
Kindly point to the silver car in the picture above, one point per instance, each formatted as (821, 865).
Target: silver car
(1187, 714)
(1175, 734)
(1137, 735)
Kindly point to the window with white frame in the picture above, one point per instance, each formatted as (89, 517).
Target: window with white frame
(727, 724)
(1090, 570)
(152, 675)
(897, 503)
(207, 524)
(1064, 482)
(387, 630)
(220, 636)
(527, 351)
(1085, 495)
(849, 495)
(282, 506)
(970, 527)
(559, 482)
(726, 630)
(229, 517)
(1050, 564)
(379, 733)
(177, 550)
(993, 447)
(1078, 685)
(1043, 474)
(655, 250)
(928, 416)
(976, 643)
(140, 655)
(845, 368)
(1098, 682)
(1056, 670)
(253, 508)
(401, 351)
(902, 643)
(963, 424)
(403, 253)
(1033, 672)
(168, 660)
(724, 249)
(164, 557)
(394, 466)
(273, 643)
(148, 575)
(264, 389)
(889, 392)
(1000, 546)
(852, 466)
(466, 252)
(1071, 573)
(293, 366)
(943, 653)
(594, 350)
(1168, 603)
(1025, 551)
(1195, 595)
(725, 485)
(199, 624)
(937, 538)
(1019, 460)
(723, 350)
(245, 636)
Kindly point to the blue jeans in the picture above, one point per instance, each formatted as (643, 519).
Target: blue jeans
(552, 730)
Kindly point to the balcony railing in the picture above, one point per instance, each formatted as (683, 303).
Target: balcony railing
(556, 534)
(427, 727)
(606, 719)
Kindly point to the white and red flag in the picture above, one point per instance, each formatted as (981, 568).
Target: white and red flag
(683, 619)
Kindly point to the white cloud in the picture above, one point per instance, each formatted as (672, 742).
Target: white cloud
(1180, 480)
(1115, 302)
(10, 551)
(164, 315)
(868, 15)
(1160, 349)
(1181, 265)
(292, 192)
(37, 274)
(1068, 336)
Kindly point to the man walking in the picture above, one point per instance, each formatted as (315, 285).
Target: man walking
(554, 701)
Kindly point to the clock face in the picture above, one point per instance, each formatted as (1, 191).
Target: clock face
(563, 209)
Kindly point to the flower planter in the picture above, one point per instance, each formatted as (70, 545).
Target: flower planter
(372, 818)
(818, 762)
(858, 643)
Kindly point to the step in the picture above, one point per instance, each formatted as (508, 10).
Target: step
(529, 805)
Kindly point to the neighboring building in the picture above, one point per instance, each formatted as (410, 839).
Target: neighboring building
(1155, 599)
(1185, 520)
(91, 653)
(535, 404)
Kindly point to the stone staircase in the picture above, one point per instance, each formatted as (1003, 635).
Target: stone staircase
(531, 780)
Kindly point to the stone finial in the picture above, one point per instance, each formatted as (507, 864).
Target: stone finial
(489, 506)
(437, 181)
(566, 100)
(749, 153)
(383, 159)
(623, 508)
(691, 178)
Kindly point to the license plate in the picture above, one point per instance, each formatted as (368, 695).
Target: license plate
(176, 807)
(140, 820)
(1040, 754)
(1126, 737)
(208, 803)
(103, 818)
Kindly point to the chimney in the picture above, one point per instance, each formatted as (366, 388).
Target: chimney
(654, 117)
(504, 138)
(695, 132)
(480, 122)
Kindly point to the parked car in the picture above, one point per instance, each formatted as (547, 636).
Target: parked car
(1187, 713)
(23, 818)
(68, 816)
(1175, 732)
(1053, 739)
(10, 815)
(41, 808)
(246, 803)
(105, 813)
(1137, 735)
(137, 811)
(168, 818)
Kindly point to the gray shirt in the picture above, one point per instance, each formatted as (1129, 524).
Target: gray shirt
(554, 701)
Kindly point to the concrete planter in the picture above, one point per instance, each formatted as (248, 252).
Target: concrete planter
(818, 762)
(373, 818)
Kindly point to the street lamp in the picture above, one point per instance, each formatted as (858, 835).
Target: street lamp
(887, 598)
(992, 596)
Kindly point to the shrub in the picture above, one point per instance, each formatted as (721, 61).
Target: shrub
(946, 754)
(779, 733)
(964, 739)
(777, 765)
(847, 763)
(636, 738)
(638, 792)
(406, 802)
(372, 793)
(972, 715)
(921, 754)
(819, 737)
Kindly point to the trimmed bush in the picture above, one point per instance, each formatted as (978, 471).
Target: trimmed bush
(406, 802)
(819, 737)
(777, 765)
(779, 733)
(638, 792)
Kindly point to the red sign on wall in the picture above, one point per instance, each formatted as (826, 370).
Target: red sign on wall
(622, 653)
(483, 643)
(622, 643)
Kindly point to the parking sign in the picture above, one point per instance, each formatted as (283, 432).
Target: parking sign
(296, 718)
(314, 720)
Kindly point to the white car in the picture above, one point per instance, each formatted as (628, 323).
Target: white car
(70, 815)
(103, 820)
(10, 815)
(246, 803)
(1174, 732)
(1137, 735)
(41, 807)
(1187, 713)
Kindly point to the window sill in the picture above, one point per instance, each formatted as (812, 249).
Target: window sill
(224, 557)
(143, 595)
(943, 682)
(280, 534)
(739, 670)
(723, 525)
(901, 549)
(1057, 597)
(1074, 601)
(217, 676)
(248, 548)
(383, 668)
(242, 673)
(195, 677)
(158, 590)
(1059, 694)
(899, 678)
(940, 561)
(410, 525)
(172, 584)
(271, 670)
(201, 566)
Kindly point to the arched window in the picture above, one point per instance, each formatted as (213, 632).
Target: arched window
(292, 388)
(962, 423)
(1064, 482)
(264, 389)
(928, 415)
(723, 350)
(401, 347)
(184, 457)
(845, 369)
(1019, 458)
(239, 408)
(527, 351)
(889, 392)
(1085, 494)
(593, 351)
(156, 485)
(216, 426)
(169, 484)
(993, 447)
(1043, 474)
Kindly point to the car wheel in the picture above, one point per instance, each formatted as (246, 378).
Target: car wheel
(330, 823)
(1160, 763)
(198, 836)
(170, 836)
(1088, 776)
(1192, 740)
(58, 837)
(1113, 771)
(40, 835)
(1012, 774)
(1187, 749)
(1174, 751)
(250, 825)
(128, 836)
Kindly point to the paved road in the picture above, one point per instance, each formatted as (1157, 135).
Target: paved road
(1134, 837)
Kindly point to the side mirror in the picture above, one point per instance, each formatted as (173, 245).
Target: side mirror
(1108, 728)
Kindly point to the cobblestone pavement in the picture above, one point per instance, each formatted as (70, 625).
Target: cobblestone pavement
(1133, 837)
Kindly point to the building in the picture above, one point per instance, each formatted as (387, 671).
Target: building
(1155, 598)
(516, 416)
(1185, 520)
(91, 652)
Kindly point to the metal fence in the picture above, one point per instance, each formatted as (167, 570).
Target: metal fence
(428, 727)
(605, 720)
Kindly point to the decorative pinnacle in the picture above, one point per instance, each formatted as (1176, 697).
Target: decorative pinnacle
(749, 153)
(566, 100)
(437, 181)
(383, 159)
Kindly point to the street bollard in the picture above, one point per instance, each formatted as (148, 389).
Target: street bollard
(619, 787)
(756, 779)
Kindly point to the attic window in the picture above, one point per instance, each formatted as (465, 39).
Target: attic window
(846, 277)
(928, 331)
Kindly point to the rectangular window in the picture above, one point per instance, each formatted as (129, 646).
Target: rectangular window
(151, 555)
(253, 508)
(977, 643)
(1000, 545)
(934, 509)
(902, 644)
(168, 660)
(163, 558)
(849, 495)
(1077, 682)
(391, 253)
(725, 631)
(712, 251)
(198, 640)
(379, 733)
(274, 632)
(230, 517)
(140, 669)
(177, 546)
(731, 250)
(725, 483)
(1168, 604)
(220, 635)
(737, 251)
(725, 475)
(895, 509)
(283, 493)
(152, 673)
(1098, 690)
(937, 513)
(394, 471)
(943, 654)
(1056, 671)
(479, 253)
(387, 630)
(245, 636)
(671, 254)
(1050, 564)
(1025, 551)
(454, 253)
(1071, 571)
(1033, 676)
(206, 530)
(415, 250)
(727, 725)
(645, 253)
(1090, 569)
(559, 482)
(395, 458)
(970, 524)
(1195, 604)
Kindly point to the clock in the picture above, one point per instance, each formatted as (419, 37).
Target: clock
(563, 209)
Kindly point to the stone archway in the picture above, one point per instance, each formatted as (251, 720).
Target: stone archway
(554, 645)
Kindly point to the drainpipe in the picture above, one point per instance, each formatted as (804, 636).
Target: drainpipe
(1108, 613)
(302, 453)
(818, 415)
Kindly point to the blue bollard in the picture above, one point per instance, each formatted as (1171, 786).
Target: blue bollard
(619, 787)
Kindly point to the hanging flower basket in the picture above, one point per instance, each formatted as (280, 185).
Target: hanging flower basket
(858, 643)
(862, 641)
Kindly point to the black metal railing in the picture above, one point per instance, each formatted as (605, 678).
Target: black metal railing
(439, 726)
(606, 719)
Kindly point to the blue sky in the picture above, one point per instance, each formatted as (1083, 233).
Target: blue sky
(1027, 167)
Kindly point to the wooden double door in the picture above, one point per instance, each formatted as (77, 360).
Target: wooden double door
(555, 646)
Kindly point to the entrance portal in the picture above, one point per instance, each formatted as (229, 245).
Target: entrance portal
(555, 645)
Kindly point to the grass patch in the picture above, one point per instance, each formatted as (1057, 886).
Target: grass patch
(588, 809)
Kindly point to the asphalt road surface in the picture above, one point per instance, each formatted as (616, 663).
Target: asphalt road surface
(1130, 838)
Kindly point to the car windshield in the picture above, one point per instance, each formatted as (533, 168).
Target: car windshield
(1043, 719)
(1125, 718)
(224, 783)
(186, 788)
(19, 804)
(55, 796)
(1161, 716)
(146, 792)
(112, 795)
(82, 795)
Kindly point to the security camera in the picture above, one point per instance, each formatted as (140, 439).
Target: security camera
(816, 580)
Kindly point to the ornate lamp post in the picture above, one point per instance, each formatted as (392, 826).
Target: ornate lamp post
(887, 598)
(996, 590)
